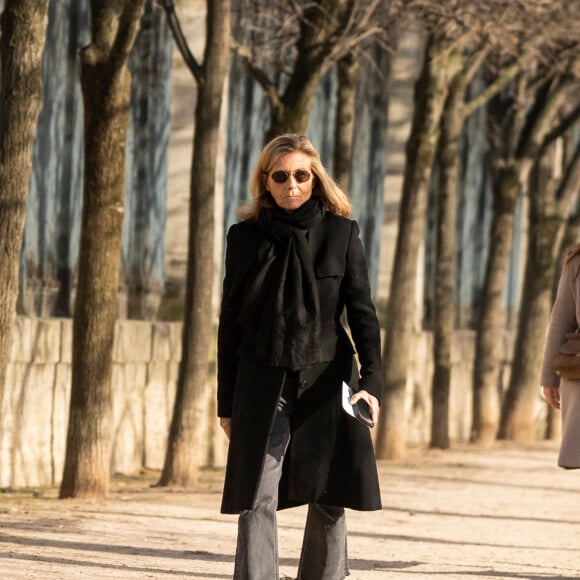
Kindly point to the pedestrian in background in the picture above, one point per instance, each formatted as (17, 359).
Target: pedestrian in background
(564, 393)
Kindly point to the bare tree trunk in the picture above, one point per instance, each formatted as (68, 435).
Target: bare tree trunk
(293, 113)
(347, 68)
(549, 213)
(186, 431)
(430, 94)
(486, 389)
(514, 151)
(293, 117)
(72, 122)
(444, 304)
(106, 83)
(144, 230)
(22, 36)
(455, 112)
(291, 110)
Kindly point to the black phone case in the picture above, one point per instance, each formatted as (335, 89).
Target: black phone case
(363, 413)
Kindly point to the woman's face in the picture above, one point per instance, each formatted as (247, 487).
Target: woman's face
(290, 181)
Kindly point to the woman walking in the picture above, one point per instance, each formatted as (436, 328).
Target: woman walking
(293, 264)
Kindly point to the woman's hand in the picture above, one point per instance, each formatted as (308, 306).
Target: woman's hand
(371, 400)
(226, 425)
(552, 395)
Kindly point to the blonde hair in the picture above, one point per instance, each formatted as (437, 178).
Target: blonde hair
(337, 202)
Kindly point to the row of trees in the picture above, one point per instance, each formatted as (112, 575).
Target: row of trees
(529, 62)
(524, 55)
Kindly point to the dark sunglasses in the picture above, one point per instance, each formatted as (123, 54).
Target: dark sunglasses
(301, 176)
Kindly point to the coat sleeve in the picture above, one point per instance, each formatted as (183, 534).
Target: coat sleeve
(229, 332)
(562, 320)
(362, 316)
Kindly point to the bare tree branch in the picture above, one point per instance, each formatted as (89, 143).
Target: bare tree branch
(182, 44)
(261, 78)
(568, 121)
(537, 124)
(129, 22)
(491, 90)
(334, 29)
(474, 62)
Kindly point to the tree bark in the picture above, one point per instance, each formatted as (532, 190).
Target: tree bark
(486, 389)
(430, 94)
(22, 36)
(186, 431)
(105, 82)
(444, 303)
(347, 69)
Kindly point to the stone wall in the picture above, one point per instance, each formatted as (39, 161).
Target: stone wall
(35, 407)
(146, 358)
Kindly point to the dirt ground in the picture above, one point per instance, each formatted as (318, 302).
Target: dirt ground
(508, 512)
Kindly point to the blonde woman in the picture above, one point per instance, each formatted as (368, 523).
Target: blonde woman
(293, 264)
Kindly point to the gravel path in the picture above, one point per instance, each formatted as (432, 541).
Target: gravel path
(468, 513)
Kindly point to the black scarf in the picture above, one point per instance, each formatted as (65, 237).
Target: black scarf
(285, 314)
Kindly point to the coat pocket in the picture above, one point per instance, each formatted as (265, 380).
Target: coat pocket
(330, 269)
(329, 278)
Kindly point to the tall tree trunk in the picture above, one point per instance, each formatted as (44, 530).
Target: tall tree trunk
(105, 82)
(186, 431)
(444, 304)
(486, 390)
(72, 112)
(293, 114)
(514, 152)
(430, 94)
(22, 36)
(368, 157)
(547, 225)
(149, 127)
(347, 69)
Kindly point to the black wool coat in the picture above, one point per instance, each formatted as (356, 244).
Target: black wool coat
(330, 458)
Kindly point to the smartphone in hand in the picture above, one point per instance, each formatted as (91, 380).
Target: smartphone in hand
(360, 410)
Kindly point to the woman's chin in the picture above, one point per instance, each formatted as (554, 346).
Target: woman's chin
(291, 204)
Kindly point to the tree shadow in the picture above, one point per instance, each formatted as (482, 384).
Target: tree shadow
(430, 540)
(497, 574)
(123, 568)
(492, 483)
(113, 549)
(478, 516)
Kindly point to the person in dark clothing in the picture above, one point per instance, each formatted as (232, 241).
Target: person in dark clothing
(294, 263)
